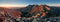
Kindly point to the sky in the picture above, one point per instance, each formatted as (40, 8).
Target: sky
(27, 2)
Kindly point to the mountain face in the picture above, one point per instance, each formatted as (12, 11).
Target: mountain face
(42, 10)
(32, 10)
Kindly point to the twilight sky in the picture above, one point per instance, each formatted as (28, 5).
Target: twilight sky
(27, 2)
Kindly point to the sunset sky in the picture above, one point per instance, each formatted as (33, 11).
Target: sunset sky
(27, 2)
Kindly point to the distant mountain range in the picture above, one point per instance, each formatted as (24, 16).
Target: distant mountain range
(33, 10)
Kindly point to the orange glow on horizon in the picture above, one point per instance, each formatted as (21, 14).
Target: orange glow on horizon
(10, 5)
